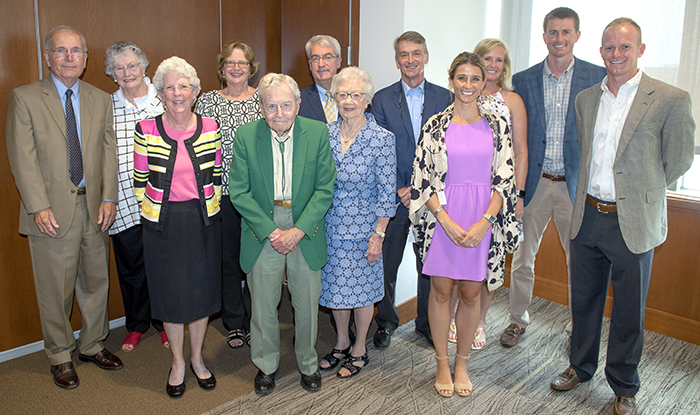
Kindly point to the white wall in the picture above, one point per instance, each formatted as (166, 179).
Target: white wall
(449, 27)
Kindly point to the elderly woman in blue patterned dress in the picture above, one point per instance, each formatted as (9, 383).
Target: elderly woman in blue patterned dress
(237, 104)
(135, 100)
(363, 202)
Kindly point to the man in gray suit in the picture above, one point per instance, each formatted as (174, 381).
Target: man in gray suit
(62, 152)
(637, 137)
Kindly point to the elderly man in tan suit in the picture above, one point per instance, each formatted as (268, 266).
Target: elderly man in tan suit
(62, 152)
(637, 137)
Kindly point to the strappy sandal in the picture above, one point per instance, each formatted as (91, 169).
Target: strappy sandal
(452, 335)
(463, 389)
(333, 360)
(479, 332)
(247, 338)
(354, 370)
(236, 334)
(444, 389)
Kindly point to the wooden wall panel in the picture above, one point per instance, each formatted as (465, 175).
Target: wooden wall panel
(18, 66)
(302, 20)
(259, 25)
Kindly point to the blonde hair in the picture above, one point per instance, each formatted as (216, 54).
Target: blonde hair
(487, 45)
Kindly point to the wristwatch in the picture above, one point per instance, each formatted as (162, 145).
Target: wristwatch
(491, 219)
(521, 194)
(380, 233)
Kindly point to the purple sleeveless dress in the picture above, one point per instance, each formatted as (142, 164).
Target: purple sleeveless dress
(468, 194)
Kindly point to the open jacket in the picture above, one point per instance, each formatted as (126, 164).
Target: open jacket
(430, 171)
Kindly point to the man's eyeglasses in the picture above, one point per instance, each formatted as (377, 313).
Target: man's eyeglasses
(328, 57)
(272, 108)
(63, 51)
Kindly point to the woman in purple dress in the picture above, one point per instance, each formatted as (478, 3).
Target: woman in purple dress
(462, 208)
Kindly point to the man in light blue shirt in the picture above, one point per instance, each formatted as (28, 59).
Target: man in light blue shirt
(323, 53)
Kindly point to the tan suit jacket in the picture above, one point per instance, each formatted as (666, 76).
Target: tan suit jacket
(37, 148)
(656, 147)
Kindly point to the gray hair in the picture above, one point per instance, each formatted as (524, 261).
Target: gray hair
(323, 40)
(276, 80)
(352, 73)
(410, 36)
(120, 48)
(48, 40)
(177, 65)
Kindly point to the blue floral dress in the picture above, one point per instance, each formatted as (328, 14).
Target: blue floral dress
(364, 190)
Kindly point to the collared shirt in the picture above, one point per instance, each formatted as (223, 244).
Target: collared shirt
(75, 99)
(322, 95)
(612, 113)
(415, 98)
(283, 177)
(556, 105)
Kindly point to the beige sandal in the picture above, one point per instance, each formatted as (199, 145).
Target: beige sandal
(444, 389)
(463, 389)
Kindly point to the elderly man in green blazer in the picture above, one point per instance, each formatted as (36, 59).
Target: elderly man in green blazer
(281, 182)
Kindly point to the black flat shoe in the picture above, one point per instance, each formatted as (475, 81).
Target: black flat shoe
(206, 384)
(332, 360)
(264, 384)
(175, 391)
(354, 370)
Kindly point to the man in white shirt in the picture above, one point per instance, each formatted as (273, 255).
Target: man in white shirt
(637, 137)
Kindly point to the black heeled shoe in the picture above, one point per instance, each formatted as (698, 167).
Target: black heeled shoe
(206, 384)
(175, 391)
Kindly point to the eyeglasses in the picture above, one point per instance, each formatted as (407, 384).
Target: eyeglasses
(241, 64)
(272, 108)
(63, 51)
(173, 88)
(121, 70)
(326, 58)
(355, 96)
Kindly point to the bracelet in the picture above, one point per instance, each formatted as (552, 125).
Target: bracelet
(438, 210)
(380, 233)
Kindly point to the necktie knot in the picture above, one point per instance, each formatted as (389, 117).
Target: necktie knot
(329, 108)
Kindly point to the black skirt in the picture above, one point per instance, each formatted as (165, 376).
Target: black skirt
(183, 264)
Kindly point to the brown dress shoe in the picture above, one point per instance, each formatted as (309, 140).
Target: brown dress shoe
(566, 380)
(65, 376)
(104, 359)
(625, 406)
(511, 335)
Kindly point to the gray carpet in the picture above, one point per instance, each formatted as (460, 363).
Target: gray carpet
(399, 380)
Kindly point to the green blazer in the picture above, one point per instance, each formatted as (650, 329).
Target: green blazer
(251, 187)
